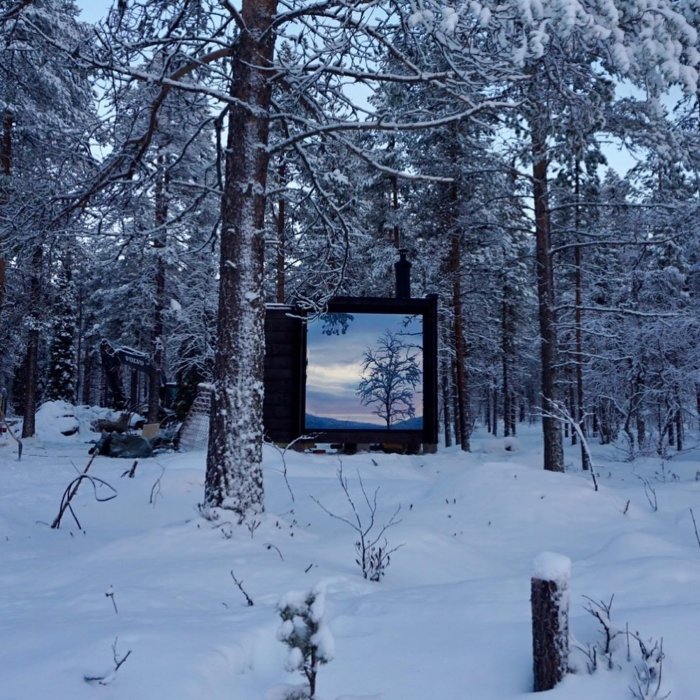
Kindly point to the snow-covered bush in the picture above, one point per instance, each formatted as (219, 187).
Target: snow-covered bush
(511, 444)
(304, 631)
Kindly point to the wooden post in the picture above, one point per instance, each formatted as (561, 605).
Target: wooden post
(550, 619)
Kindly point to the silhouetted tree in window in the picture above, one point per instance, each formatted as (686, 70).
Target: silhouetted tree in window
(390, 373)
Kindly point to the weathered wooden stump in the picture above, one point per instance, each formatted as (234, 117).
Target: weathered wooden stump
(550, 619)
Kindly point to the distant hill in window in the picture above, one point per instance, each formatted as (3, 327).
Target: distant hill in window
(324, 423)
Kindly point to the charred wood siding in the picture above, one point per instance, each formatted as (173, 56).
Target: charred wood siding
(285, 353)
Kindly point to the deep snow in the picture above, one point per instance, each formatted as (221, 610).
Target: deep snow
(449, 620)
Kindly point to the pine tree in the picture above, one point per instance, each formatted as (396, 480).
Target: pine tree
(47, 109)
(62, 370)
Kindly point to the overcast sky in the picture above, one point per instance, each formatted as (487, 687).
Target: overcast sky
(92, 10)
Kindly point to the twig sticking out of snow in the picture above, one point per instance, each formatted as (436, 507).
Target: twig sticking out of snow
(4, 422)
(238, 583)
(648, 673)
(107, 678)
(601, 611)
(131, 473)
(283, 456)
(155, 489)
(269, 546)
(109, 593)
(650, 493)
(252, 526)
(695, 526)
(72, 489)
(647, 669)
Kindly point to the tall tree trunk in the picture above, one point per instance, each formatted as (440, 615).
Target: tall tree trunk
(395, 207)
(234, 458)
(5, 173)
(447, 418)
(32, 358)
(79, 370)
(487, 409)
(571, 402)
(678, 420)
(280, 282)
(455, 404)
(507, 332)
(31, 383)
(463, 417)
(494, 410)
(158, 328)
(506, 399)
(551, 427)
(87, 374)
(578, 317)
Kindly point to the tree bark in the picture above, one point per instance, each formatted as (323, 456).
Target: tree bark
(678, 420)
(234, 471)
(32, 357)
(87, 375)
(5, 173)
(447, 418)
(551, 428)
(506, 357)
(494, 410)
(550, 631)
(578, 323)
(395, 207)
(460, 348)
(157, 331)
(280, 261)
(455, 404)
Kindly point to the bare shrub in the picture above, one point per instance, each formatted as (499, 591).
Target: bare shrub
(373, 553)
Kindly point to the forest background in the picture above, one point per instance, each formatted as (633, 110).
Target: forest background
(167, 171)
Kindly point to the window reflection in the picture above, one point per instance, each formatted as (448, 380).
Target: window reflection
(364, 371)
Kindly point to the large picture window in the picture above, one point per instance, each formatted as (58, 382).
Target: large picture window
(364, 371)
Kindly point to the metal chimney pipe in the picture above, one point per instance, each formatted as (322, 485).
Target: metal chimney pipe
(402, 269)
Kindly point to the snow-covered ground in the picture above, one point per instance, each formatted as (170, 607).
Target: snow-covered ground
(450, 619)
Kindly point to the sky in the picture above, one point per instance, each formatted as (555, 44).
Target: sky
(93, 10)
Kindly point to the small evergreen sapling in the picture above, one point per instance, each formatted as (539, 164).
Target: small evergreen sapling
(304, 631)
(62, 366)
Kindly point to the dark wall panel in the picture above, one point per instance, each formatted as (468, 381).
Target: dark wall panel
(285, 354)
